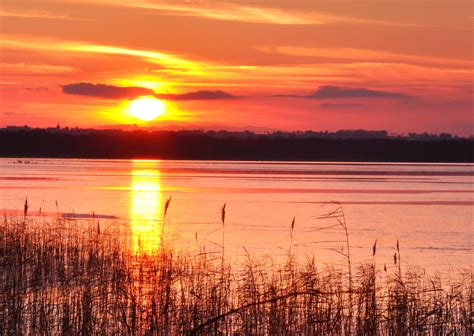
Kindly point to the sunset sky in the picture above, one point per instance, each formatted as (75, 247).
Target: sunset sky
(400, 65)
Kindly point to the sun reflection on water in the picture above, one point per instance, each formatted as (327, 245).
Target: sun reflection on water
(145, 208)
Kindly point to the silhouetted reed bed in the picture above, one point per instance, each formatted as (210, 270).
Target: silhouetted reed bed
(57, 279)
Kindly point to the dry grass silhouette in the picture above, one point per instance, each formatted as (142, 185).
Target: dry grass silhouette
(59, 278)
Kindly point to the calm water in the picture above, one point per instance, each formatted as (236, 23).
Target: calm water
(429, 207)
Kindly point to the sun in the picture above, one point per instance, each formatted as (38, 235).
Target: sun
(147, 108)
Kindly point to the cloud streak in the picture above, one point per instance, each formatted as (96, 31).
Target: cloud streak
(366, 55)
(172, 62)
(198, 95)
(32, 69)
(35, 14)
(106, 91)
(236, 11)
(222, 11)
(341, 92)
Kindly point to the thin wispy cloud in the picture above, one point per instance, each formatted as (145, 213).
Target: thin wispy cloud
(174, 62)
(240, 12)
(152, 56)
(36, 88)
(367, 55)
(36, 14)
(23, 68)
(224, 11)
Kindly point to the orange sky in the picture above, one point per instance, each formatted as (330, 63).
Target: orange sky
(400, 65)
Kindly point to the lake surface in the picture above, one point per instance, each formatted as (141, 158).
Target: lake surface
(428, 207)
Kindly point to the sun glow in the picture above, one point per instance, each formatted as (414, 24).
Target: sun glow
(147, 108)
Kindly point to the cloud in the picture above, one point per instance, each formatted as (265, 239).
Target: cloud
(223, 11)
(340, 92)
(32, 14)
(198, 95)
(13, 114)
(127, 92)
(105, 91)
(238, 11)
(35, 88)
(34, 69)
(171, 63)
(366, 56)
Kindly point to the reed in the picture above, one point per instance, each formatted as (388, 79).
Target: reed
(59, 277)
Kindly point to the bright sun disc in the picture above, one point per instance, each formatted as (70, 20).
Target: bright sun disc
(147, 108)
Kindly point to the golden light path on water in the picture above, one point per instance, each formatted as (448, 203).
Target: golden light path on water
(145, 208)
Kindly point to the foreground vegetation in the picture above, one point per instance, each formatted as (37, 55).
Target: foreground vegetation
(57, 279)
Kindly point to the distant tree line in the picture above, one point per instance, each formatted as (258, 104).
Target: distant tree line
(224, 145)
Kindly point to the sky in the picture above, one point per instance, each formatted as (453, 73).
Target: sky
(397, 65)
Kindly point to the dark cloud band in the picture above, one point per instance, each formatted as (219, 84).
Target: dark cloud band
(105, 91)
(198, 95)
(328, 91)
(342, 92)
(118, 92)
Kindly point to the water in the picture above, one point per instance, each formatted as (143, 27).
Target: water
(428, 207)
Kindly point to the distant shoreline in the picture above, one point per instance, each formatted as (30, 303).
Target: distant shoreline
(365, 146)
